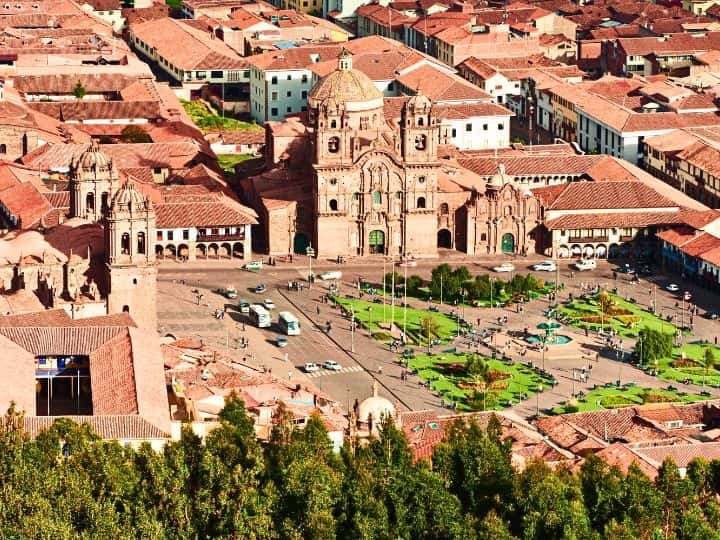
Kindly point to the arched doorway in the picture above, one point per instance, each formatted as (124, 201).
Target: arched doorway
(159, 251)
(238, 250)
(300, 243)
(183, 251)
(563, 252)
(200, 251)
(508, 243)
(376, 241)
(444, 239)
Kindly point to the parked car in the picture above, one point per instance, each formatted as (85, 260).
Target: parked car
(269, 304)
(253, 266)
(711, 315)
(504, 267)
(229, 292)
(408, 263)
(244, 306)
(282, 341)
(625, 269)
(310, 367)
(332, 365)
(330, 275)
(586, 264)
(260, 288)
(672, 287)
(545, 266)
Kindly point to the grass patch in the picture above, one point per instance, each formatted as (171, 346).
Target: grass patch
(228, 161)
(628, 322)
(207, 118)
(370, 315)
(612, 398)
(174, 3)
(517, 382)
(674, 370)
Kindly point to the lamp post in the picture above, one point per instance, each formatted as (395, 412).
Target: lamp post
(542, 342)
(537, 401)
(310, 252)
(352, 329)
(405, 305)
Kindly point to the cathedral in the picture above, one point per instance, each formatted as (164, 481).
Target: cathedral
(99, 261)
(359, 174)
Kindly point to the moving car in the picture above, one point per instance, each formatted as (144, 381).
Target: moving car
(408, 263)
(672, 287)
(625, 269)
(711, 315)
(253, 266)
(586, 264)
(260, 288)
(332, 365)
(335, 274)
(229, 292)
(282, 341)
(310, 367)
(504, 267)
(244, 306)
(545, 266)
(269, 304)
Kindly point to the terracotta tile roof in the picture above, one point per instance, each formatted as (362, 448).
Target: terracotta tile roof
(111, 427)
(608, 195)
(700, 219)
(218, 213)
(677, 236)
(98, 110)
(384, 15)
(186, 47)
(48, 340)
(672, 43)
(441, 87)
(530, 165)
(295, 58)
(673, 141)
(245, 136)
(63, 84)
(613, 219)
(700, 244)
(113, 377)
(621, 456)
(26, 203)
(682, 455)
(58, 199)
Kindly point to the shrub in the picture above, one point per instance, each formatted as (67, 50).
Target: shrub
(628, 320)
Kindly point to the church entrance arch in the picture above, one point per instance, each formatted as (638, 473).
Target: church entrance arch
(444, 239)
(376, 241)
(508, 243)
(300, 243)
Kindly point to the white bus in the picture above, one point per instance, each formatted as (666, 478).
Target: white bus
(260, 316)
(289, 323)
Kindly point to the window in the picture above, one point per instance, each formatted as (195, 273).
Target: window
(288, 109)
(333, 205)
(170, 235)
(90, 202)
(288, 93)
(421, 179)
(391, 86)
(274, 96)
(420, 202)
(333, 181)
(289, 77)
(468, 127)
(454, 133)
(157, 170)
(273, 111)
(273, 80)
(201, 74)
(420, 121)
(186, 234)
(216, 74)
(356, 196)
(333, 145)
(377, 197)
(141, 243)
(125, 244)
(3, 149)
(444, 209)
(333, 124)
(485, 127)
(483, 237)
(501, 126)
(420, 142)
(304, 94)
(398, 195)
(159, 236)
(304, 78)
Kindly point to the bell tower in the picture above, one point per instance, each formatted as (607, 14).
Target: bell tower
(93, 181)
(419, 130)
(130, 257)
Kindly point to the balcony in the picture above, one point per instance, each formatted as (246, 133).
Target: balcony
(202, 237)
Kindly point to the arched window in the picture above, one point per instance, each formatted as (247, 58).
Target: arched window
(421, 179)
(420, 142)
(3, 149)
(421, 202)
(90, 201)
(483, 237)
(507, 211)
(333, 124)
(333, 205)
(333, 181)
(444, 209)
(141, 243)
(126, 309)
(104, 198)
(420, 121)
(125, 244)
(333, 145)
(377, 197)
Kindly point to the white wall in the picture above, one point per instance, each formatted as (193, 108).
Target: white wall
(484, 132)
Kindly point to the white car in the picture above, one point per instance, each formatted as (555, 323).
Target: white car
(408, 263)
(334, 274)
(545, 266)
(687, 296)
(672, 287)
(332, 365)
(244, 306)
(311, 367)
(269, 304)
(586, 264)
(504, 267)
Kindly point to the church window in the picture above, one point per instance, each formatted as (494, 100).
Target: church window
(444, 209)
(420, 141)
(333, 145)
(421, 202)
(333, 181)
(333, 124)
(126, 309)
(90, 201)
(364, 122)
(3, 149)
(483, 237)
(356, 196)
(420, 121)
(134, 281)
(398, 195)
(105, 201)
(125, 244)
(333, 205)
(141, 243)
(377, 197)
(507, 211)
(421, 179)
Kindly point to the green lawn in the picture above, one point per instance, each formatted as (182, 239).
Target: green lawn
(174, 3)
(521, 380)
(207, 118)
(696, 373)
(590, 308)
(610, 398)
(371, 316)
(228, 161)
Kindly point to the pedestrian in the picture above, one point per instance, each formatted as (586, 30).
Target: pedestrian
(379, 370)
(318, 310)
(289, 375)
(286, 357)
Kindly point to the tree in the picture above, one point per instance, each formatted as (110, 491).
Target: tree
(414, 283)
(135, 134)
(606, 302)
(602, 491)
(79, 91)
(429, 326)
(709, 362)
(655, 344)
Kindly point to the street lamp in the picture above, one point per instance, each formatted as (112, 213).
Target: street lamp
(542, 342)
(352, 329)
(537, 401)
(310, 252)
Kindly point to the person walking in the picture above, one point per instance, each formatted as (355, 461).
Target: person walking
(379, 370)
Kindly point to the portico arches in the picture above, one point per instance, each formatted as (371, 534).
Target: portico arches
(238, 250)
(183, 251)
(200, 251)
(376, 241)
(444, 239)
(563, 251)
(225, 250)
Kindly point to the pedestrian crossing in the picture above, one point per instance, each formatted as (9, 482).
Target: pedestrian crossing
(323, 372)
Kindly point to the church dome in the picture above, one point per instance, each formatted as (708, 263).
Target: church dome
(128, 197)
(347, 86)
(93, 159)
(375, 407)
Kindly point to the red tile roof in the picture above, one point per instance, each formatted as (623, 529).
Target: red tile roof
(613, 219)
(607, 195)
(111, 427)
(219, 212)
(26, 203)
(441, 87)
